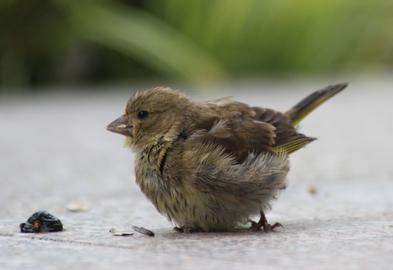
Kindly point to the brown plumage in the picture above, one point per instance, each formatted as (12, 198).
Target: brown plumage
(211, 166)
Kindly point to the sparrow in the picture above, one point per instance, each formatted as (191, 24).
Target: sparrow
(212, 166)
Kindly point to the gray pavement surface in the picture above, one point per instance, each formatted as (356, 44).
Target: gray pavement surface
(54, 150)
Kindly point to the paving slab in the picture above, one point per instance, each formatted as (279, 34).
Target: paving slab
(337, 211)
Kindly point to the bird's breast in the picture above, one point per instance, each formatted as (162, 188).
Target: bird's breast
(159, 189)
(175, 198)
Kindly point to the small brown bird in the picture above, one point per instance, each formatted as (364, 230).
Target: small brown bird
(211, 166)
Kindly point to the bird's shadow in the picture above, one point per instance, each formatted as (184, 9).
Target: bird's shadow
(291, 227)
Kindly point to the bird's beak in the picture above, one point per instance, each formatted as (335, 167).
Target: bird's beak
(121, 126)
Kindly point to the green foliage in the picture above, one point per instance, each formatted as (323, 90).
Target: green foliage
(62, 41)
(283, 36)
(31, 32)
(143, 37)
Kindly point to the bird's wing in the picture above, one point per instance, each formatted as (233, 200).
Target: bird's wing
(241, 129)
(287, 137)
(238, 137)
(212, 171)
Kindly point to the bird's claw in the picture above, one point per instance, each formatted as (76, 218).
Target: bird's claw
(263, 224)
(186, 229)
(269, 228)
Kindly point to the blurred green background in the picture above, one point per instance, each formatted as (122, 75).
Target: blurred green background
(69, 42)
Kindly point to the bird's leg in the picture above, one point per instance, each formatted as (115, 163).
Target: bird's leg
(185, 229)
(178, 229)
(262, 223)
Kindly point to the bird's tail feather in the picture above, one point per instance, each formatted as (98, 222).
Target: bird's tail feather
(298, 112)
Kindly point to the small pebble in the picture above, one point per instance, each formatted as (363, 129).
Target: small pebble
(77, 207)
(312, 189)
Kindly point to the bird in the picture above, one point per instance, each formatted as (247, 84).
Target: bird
(212, 166)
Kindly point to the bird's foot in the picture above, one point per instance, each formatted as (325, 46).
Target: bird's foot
(184, 229)
(263, 224)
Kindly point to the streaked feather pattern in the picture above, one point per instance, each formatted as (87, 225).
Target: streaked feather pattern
(212, 165)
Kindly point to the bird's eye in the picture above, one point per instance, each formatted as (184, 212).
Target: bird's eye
(143, 114)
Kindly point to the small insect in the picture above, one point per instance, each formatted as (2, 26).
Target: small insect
(40, 222)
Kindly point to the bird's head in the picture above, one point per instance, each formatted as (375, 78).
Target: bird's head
(150, 115)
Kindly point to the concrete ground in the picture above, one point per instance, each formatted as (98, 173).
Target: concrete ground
(337, 211)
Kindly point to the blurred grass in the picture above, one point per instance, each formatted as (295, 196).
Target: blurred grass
(63, 41)
(287, 36)
(143, 37)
